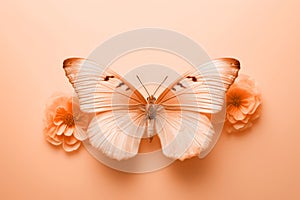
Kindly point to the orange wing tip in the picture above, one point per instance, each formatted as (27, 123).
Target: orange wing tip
(71, 61)
(232, 61)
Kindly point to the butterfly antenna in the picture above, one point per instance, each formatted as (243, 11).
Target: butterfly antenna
(143, 85)
(160, 84)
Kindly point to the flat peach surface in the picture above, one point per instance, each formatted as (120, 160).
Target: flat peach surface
(261, 164)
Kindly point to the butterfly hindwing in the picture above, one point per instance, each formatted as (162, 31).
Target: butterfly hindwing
(182, 133)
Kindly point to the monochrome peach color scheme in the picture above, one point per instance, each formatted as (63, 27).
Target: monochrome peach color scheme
(262, 163)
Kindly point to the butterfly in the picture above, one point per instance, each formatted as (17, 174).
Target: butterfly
(179, 116)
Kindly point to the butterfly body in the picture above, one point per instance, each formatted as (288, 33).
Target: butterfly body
(151, 113)
(151, 107)
(178, 116)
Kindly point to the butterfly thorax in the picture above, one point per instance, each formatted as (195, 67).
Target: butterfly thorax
(151, 107)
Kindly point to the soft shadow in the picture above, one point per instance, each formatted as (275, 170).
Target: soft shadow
(193, 169)
(59, 149)
(248, 131)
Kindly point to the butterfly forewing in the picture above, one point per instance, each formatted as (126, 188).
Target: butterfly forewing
(204, 86)
(92, 81)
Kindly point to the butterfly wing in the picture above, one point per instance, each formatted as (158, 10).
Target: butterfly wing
(183, 125)
(119, 108)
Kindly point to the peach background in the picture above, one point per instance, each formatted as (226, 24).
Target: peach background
(36, 36)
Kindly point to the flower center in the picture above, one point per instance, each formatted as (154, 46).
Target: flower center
(236, 100)
(69, 119)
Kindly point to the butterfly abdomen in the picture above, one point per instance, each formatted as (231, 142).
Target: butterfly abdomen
(151, 128)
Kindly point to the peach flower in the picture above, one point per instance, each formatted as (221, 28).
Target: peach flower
(243, 104)
(65, 124)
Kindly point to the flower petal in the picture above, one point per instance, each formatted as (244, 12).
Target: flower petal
(57, 121)
(50, 131)
(256, 114)
(239, 126)
(228, 127)
(70, 104)
(239, 115)
(232, 110)
(246, 119)
(230, 118)
(60, 113)
(69, 131)
(53, 141)
(60, 129)
(70, 140)
(69, 148)
(256, 105)
(247, 104)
